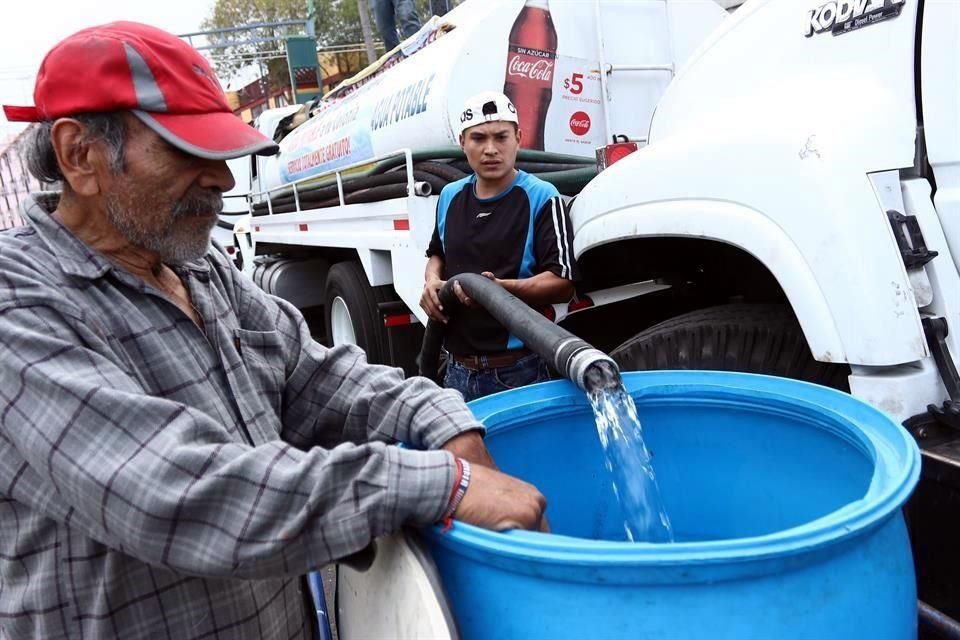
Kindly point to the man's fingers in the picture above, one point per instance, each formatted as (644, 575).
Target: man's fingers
(430, 301)
(462, 295)
(435, 298)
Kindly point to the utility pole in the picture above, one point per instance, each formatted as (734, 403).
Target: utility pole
(364, 10)
(311, 19)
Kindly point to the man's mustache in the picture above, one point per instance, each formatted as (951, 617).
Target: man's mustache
(208, 204)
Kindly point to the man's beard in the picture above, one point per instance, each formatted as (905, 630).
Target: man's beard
(174, 243)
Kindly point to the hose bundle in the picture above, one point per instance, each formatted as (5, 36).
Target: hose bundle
(432, 167)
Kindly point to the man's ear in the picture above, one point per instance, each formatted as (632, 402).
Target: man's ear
(82, 163)
(461, 141)
(519, 136)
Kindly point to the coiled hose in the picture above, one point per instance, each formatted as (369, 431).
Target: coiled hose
(436, 167)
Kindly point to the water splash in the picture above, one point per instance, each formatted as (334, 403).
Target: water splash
(630, 465)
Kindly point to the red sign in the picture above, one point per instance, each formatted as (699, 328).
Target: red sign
(580, 123)
(531, 67)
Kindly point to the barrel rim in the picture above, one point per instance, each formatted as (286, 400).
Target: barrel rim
(895, 475)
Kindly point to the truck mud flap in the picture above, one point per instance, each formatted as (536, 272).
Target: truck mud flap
(404, 335)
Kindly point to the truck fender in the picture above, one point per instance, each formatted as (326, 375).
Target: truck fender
(797, 201)
(739, 226)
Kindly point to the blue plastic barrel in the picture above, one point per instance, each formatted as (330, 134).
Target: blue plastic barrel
(785, 499)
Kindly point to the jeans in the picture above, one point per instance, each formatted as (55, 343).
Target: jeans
(390, 12)
(473, 383)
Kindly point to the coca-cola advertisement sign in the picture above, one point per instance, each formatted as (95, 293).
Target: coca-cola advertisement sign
(557, 95)
(530, 67)
(531, 56)
(580, 123)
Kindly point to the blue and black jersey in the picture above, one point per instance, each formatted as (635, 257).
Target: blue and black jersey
(519, 233)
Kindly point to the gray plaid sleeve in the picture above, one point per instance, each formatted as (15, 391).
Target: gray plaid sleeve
(168, 484)
(333, 395)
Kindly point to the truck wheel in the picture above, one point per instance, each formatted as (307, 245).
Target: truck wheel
(352, 315)
(755, 338)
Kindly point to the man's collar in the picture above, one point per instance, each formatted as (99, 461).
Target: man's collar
(75, 257)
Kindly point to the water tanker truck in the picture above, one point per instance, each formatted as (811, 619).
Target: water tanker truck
(793, 207)
(341, 217)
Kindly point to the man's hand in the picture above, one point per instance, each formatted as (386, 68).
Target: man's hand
(469, 446)
(430, 300)
(462, 296)
(497, 501)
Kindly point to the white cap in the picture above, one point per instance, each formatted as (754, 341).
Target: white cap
(488, 106)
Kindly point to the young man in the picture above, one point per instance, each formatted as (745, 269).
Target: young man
(509, 226)
(175, 450)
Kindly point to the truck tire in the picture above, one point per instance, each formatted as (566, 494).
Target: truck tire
(755, 338)
(351, 311)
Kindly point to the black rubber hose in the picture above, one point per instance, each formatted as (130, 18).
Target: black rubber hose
(321, 193)
(568, 173)
(587, 367)
(937, 621)
(372, 194)
(453, 155)
(441, 169)
(437, 183)
(428, 362)
(569, 182)
(572, 182)
(462, 165)
(456, 153)
(549, 167)
(329, 196)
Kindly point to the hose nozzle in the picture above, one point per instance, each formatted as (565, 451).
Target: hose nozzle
(591, 369)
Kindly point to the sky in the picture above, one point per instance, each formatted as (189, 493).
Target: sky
(29, 28)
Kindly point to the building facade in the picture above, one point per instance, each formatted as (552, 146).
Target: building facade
(15, 181)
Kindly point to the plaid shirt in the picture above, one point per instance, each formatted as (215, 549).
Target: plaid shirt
(162, 481)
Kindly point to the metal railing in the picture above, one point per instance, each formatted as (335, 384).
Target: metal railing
(296, 185)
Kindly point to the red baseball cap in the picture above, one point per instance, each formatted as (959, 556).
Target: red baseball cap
(156, 76)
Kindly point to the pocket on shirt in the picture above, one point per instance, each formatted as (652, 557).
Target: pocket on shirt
(262, 355)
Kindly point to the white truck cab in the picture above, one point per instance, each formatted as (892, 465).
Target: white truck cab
(799, 193)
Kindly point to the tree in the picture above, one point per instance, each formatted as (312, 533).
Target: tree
(337, 23)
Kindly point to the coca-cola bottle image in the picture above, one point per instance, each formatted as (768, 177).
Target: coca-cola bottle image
(531, 58)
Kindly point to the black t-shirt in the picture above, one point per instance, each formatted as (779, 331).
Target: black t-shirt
(518, 233)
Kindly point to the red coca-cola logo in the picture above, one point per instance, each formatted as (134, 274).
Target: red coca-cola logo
(529, 67)
(580, 123)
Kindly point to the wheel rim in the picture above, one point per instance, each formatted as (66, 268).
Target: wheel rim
(341, 324)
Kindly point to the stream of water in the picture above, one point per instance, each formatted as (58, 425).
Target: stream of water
(630, 466)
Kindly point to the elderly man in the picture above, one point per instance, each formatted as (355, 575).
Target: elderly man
(508, 225)
(175, 450)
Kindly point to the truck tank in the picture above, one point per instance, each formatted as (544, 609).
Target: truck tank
(547, 55)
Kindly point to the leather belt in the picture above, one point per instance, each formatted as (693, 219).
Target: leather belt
(493, 360)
